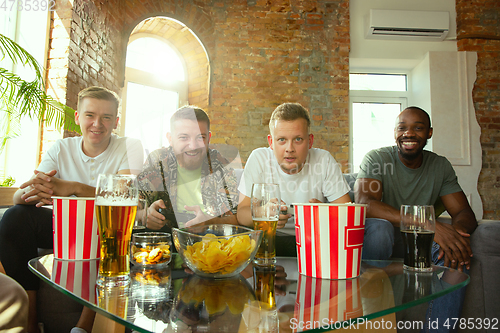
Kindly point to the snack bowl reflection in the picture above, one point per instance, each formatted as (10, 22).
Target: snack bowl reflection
(217, 251)
(150, 281)
(209, 305)
(152, 295)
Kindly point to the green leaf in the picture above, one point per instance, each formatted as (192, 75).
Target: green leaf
(9, 181)
(19, 55)
(22, 98)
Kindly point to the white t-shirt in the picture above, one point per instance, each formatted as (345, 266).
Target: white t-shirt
(320, 178)
(67, 157)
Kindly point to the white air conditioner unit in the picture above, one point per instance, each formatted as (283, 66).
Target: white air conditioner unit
(407, 25)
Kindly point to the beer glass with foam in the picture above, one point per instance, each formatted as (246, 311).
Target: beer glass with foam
(116, 206)
(265, 207)
(418, 224)
(141, 216)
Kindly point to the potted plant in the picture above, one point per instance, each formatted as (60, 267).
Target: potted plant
(20, 98)
(7, 191)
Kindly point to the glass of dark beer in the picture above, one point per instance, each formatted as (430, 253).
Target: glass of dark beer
(418, 224)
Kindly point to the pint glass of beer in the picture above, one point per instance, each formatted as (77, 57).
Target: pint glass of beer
(265, 207)
(418, 224)
(116, 205)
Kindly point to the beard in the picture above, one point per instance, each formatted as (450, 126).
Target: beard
(192, 163)
(411, 156)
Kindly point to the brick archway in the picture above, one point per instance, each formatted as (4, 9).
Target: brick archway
(191, 49)
(260, 54)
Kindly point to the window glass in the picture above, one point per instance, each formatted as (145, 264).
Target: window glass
(376, 99)
(156, 86)
(155, 56)
(373, 127)
(378, 82)
(29, 29)
(152, 122)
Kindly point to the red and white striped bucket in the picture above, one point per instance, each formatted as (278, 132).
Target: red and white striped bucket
(76, 234)
(79, 277)
(327, 301)
(329, 239)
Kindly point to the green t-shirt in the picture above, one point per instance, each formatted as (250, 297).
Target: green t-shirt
(189, 188)
(404, 186)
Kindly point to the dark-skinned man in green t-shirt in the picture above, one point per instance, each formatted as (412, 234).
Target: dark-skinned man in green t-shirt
(407, 174)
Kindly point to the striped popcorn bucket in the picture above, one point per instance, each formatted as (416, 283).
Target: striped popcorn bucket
(79, 277)
(76, 235)
(329, 239)
(327, 302)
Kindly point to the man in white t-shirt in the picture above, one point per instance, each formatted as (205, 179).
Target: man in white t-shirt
(304, 174)
(69, 168)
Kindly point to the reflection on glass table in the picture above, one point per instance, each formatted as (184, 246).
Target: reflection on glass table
(278, 298)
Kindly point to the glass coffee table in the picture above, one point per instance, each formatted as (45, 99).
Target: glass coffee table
(171, 299)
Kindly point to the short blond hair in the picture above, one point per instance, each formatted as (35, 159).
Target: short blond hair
(289, 112)
(99, 93)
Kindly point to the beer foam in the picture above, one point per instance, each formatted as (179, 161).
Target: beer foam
(115, 202)
(266, 219)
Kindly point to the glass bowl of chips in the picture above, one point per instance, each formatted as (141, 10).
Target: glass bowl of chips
(218, 250)
(149, 249)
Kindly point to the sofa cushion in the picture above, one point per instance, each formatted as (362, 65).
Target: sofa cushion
(486, 249)
(351, 179)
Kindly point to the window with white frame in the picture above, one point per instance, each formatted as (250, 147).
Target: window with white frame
(375, 101)
(155, 86)
(30, 30)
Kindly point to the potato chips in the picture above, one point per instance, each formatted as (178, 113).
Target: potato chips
(151, 277)
(220, 255)
(151, 255)
(216, 295)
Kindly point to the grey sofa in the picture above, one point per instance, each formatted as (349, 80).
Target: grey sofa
(484, 286)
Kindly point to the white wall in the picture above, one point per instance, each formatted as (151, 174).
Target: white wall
(389, 53)
(420, 96)
(441, 82)
(456, 130)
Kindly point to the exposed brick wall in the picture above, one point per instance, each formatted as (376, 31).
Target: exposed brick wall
(271, 52)
(80, 54)
(478, 29)
(261, 53)
(57, 66)
(95, 55)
